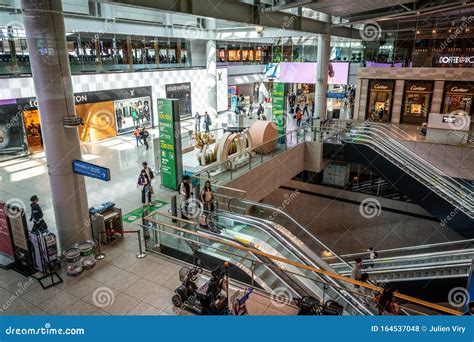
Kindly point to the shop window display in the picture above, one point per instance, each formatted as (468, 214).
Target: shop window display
(458, 96)
(33, 130)
(416, 102)
(130, 113)
(379, 107)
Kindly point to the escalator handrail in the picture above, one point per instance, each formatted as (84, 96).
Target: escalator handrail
(423, 165)
(255, 255)
(307, 267)
(448, 243)
(267, 206)
(406, 149)
(427, 165)
(417, 175)
(269, 229)
(459, 252)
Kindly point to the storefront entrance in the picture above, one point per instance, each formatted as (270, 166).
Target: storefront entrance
(379, 106)
(416, 102)
(458, 96)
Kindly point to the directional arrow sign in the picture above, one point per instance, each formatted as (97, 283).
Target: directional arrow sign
(90, 170)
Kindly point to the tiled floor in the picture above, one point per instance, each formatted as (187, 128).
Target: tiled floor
(120, 284)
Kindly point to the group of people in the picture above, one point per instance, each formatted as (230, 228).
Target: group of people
(144, 183)
(207, 122)
(206, 197)
(141, 136)
(300, 108)
(386, 303)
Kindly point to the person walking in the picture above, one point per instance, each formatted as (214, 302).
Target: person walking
(186, 193)
(149, 173)
(207, 122)
(260, 111)
(137, 133)
(305, 109)
(37, 215)
(144, 184)
(299, 116)
(144, 136)
(372, 256)
(197, 122)
(250, 112)
(357, 270)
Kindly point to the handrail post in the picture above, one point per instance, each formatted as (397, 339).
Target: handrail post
(99, 255)
(141, 254)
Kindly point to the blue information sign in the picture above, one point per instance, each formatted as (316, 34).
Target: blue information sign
(90, 170)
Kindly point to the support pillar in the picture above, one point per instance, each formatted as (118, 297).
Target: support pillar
(320, 100)
(211, 68)
(44, 26)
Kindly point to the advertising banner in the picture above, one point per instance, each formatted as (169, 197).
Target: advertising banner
(6, 245)
(170, 143)
(292, 72)
(278, 110)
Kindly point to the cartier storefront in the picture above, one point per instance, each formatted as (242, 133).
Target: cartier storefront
(416, 102)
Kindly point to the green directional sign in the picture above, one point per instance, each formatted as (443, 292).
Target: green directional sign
(170, 143)
(278, 110)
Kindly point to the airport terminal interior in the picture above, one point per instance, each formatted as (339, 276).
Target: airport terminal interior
(236, 157)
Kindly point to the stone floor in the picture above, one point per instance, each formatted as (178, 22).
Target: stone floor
(120, 284)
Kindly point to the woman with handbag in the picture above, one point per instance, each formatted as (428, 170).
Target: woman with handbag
(144, 184)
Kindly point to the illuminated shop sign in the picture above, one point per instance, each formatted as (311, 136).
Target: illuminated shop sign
(456, 60)
(458, 90)
(77, 99)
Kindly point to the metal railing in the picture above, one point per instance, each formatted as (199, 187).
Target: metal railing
(192, 233)
(227, 169)
(419, 168)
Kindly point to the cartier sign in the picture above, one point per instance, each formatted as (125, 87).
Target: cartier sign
(458, 90)
(417, 88)
(380, 86)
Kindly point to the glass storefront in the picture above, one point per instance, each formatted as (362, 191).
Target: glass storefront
(458, 96)
(379, 105)
(105, 113)
(416, 102)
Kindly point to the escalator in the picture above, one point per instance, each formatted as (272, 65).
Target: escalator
(276, 277)
(446, 198)
(417, 267)
(267, 237)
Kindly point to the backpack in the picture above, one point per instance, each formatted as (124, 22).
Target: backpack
(376, 255)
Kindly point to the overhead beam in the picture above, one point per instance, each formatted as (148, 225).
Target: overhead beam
(242, 13)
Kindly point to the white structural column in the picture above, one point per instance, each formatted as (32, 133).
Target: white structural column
(211, 68)
(324, 42)
(44, 26)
